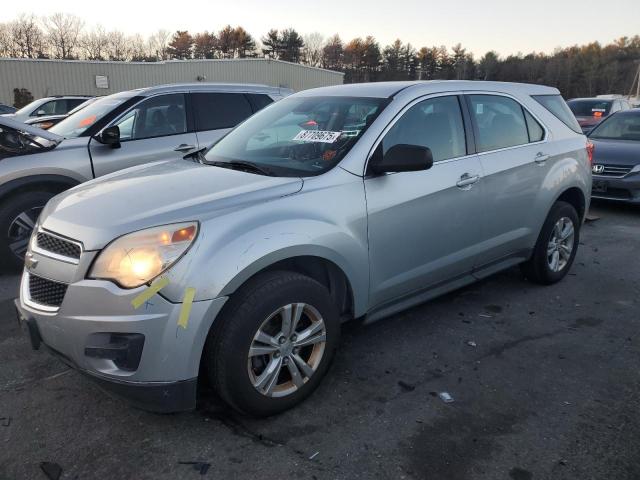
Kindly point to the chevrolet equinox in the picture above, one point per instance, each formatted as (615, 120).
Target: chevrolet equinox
(353, 201)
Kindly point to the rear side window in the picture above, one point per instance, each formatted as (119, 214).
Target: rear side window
(500, 122)
(536, 132)
(558, 107)
(73, 103)
(259, 101)
(435, 123)
(214, 111)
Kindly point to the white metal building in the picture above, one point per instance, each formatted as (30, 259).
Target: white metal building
(77, 77)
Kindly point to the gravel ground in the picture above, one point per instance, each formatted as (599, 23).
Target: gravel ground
(548, 389)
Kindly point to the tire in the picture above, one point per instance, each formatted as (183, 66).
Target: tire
(18, 215)
(255, 307)
(540, 267)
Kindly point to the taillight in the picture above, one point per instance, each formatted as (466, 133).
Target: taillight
(597, 114)
(590, 148)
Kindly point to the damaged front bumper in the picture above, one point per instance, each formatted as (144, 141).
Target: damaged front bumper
(139, 353)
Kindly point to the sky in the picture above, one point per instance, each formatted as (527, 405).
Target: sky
(507, 27)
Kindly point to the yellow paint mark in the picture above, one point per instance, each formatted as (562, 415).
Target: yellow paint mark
(187, 301)
(154, 288)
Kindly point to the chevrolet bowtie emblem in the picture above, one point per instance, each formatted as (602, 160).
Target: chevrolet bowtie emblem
(29, 261)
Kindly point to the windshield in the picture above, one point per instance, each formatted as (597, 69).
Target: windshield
(301, 136)
(618, 127)
(588, 108)
(76, 124)
(28, 108)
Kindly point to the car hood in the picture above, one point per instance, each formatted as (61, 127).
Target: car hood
(31, 130)
(616, 152)
(164, 192)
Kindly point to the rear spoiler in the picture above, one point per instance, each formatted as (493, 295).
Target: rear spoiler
(30, 129)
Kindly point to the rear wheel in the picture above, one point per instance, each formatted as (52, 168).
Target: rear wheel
(18, 216)
(556, 247)
(273, 343)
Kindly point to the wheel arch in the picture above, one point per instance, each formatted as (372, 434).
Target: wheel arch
(47, 182)
(576, 198)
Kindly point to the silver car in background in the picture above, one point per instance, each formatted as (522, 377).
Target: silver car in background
(114, 132)
(353, 201)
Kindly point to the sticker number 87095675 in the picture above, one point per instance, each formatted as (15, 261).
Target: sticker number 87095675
(320, 136)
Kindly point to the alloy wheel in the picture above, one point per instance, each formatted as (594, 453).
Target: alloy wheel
(20, 230)
(560, 244)
(287, 350)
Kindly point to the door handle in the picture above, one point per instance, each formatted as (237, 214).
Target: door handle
(541, 157)
(466, 180)
(183, 147)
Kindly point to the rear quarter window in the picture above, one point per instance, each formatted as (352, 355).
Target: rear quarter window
(559, 108)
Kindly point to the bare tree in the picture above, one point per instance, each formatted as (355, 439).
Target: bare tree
(7, 47)
(313, 49)
(159, 43)
(138, 49)
(63, 30)
(28, 38)
(118, 46)
(95, 44)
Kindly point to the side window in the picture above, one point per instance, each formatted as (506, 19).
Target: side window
(536, 132)
(435, 123)
(259, 101)
(48, 108)
(500, 122)
(156, 117)
(214, 111)
(73, 103)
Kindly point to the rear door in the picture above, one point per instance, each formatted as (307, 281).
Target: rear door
(425, 227)
(154, 129)
(216, 113)
(515, 159)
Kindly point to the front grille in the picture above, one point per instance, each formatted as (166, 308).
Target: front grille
(46, 292)
(615, 170)
(57, 245)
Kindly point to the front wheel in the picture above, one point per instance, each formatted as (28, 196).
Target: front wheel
(18, 216)
(273, 343)
(556, 247)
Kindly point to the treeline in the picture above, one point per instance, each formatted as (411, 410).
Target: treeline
(577, 71)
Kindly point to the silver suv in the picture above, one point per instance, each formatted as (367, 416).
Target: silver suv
(57, 105)
(112, 133)
(335, 203)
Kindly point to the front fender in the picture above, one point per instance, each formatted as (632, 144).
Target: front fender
(217, 269)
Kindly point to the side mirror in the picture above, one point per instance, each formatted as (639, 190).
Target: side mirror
(110, 136)
(401, 158)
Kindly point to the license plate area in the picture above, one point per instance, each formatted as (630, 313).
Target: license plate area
(599, 186)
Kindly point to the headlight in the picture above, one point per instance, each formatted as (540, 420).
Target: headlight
(137, 258)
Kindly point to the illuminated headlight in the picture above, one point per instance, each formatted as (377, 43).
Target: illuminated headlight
(137, 258)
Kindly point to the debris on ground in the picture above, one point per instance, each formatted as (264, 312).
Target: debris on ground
(314, 455)
(407, 387)
(5, 421)
(471, 343)
(445, 397)
(201, 467)
(52, 470)
(485, 315)
(591, 218)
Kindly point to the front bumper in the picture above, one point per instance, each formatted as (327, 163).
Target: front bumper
(621, 189)
(94, 312)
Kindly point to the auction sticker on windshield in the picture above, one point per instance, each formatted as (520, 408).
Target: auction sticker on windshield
(319, 136)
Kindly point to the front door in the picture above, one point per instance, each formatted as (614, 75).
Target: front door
(425, 227)
(154, 129)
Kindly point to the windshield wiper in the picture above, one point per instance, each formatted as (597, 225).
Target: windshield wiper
(242, 166)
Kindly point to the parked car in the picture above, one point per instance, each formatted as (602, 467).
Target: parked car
(7, 109)
(57, 105)
(342, 202)
(115, 132)
(591, 111)
(47, 121)
(616, 157)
